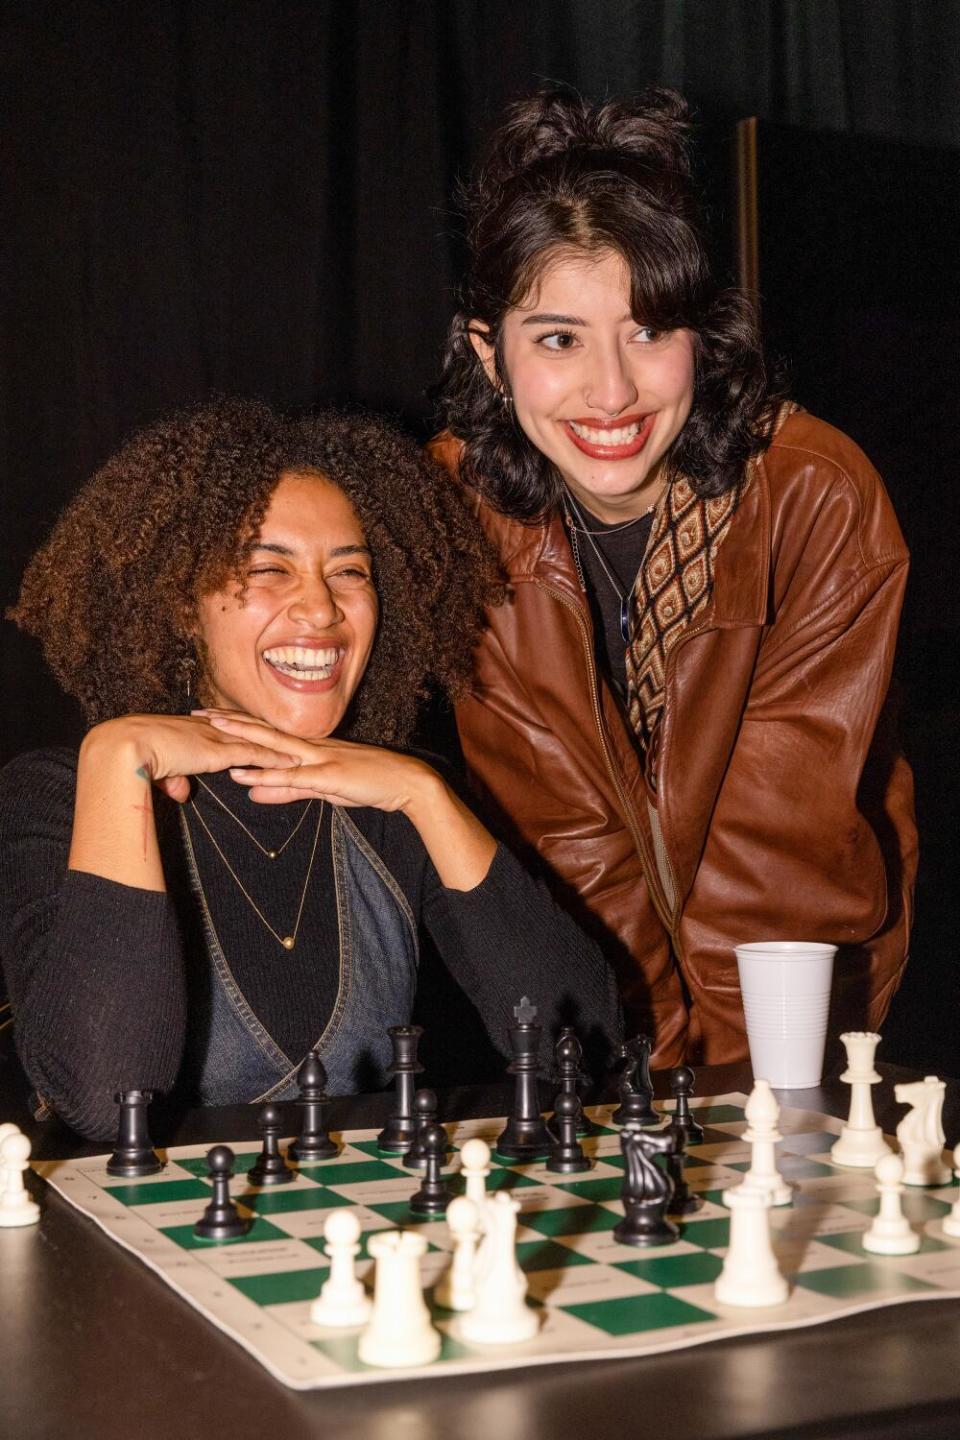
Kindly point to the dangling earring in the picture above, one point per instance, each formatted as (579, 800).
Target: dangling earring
(188, 664)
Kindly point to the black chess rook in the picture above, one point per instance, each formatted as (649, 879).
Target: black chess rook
(400, 1130)
(134, 1155)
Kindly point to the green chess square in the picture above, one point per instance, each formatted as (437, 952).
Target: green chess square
(719, 1115)
(281, 1288)
(917, 1206)
(160, 1192)
(607, 1188)
(197, 1164)
(361, 1173)
(260, 1230)
(569, 1220)
(285, 1200)
(852, 1241)
(671, 1272)
(548, 1255)
(632, 1313)
(710, 1234)
(850, 1282)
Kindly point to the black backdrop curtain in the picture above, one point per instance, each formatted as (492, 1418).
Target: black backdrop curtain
(255, 197)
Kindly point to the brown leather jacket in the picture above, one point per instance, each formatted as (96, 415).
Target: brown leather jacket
(780, 809)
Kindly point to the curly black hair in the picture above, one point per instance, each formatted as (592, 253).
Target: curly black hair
(561, 174)
(113, 593)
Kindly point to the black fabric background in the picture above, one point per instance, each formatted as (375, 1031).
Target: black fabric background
(255, 196)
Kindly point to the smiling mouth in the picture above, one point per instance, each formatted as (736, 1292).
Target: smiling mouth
(614, 441)
(298, 662)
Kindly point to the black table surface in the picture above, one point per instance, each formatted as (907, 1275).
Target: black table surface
(93, 1344)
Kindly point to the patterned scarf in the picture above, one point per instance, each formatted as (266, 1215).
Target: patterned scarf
(674, 585)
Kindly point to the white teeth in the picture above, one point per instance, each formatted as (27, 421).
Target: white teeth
(623, 435)
(302, 662)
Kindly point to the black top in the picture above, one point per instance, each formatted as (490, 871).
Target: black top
(623, 548)
(98, 972)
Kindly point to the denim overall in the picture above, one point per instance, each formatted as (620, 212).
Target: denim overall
(378, 975)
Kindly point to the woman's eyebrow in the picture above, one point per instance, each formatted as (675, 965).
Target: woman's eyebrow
(337, 551)
(553, 320)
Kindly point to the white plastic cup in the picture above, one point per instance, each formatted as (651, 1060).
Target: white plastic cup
(785, 986)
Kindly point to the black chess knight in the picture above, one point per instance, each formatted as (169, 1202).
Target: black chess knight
(647, 1190)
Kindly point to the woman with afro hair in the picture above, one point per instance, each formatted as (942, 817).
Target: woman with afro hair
(234, 869)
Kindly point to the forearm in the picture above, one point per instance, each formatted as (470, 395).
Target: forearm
(114, 830)
(459, 845)
(99, 999)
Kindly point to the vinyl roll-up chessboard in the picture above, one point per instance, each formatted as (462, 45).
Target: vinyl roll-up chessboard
(598, 1299)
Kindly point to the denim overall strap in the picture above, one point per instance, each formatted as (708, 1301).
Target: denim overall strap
(241, 1062)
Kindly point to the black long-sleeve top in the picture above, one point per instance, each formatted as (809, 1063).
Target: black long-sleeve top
(99, 972)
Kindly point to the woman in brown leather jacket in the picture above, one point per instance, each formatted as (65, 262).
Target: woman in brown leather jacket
(680, 707)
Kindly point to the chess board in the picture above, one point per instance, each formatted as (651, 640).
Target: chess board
(597, 1299)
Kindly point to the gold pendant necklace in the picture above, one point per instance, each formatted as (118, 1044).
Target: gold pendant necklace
(270, 854)
(287, 941)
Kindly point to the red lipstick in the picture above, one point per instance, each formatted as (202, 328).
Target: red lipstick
(610, 452)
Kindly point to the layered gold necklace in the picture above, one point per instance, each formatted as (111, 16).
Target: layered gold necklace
(287, 941)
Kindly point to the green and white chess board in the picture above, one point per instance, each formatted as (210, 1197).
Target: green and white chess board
(598, 1299)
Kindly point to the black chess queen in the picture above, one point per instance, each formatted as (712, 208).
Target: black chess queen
(234, 869)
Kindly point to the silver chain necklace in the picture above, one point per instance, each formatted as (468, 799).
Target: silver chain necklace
(581, 529)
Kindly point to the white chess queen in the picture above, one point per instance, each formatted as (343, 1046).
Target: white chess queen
(300, 580)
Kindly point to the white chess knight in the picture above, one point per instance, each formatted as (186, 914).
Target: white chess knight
(500, 1313)
(342, 1302)
(861, 1140)
(920, 1132)
(16, 1206)
(400, 1331)
(750, 1274)
(763, 1178)
(891, 1232)
(456, 1288)
(951, 1222)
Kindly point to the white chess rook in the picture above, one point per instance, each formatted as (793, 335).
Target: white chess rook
(890, 1233)
(750, 1274)
(763, 1177)
(399, 1332)
(920, 1132)
(342, 1302)
(861, 1140)
(16, 1207)
(951, 1222)
(500, 1314)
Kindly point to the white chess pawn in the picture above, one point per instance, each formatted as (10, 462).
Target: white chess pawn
(763, 1177)
(920, 1132)
(861, 1140)
(475, 1165)
(7, 1128)
(342, 1301)
(16, 1207)
(951, 1222)
(750, 1274)
(400, 1332)
(456, 1289)
(500, 1314)
(890, 1233)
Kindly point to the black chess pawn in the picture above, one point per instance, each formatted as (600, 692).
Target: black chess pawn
(568, 1057)
(400, 1130)
(221, 1220)
(270, 1168)
(525, 1136)
(134, 1155)
(434, 1194)
(425, 1114)
(684, 1201)
(313, 1142)
(647, 1190)
(566, 1155)
(681, 1086)
(636, 1088)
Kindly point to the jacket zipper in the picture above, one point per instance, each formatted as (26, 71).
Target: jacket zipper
(649, 868)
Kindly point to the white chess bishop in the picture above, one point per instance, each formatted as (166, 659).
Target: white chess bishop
(763, 1178)
(861, 1140)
